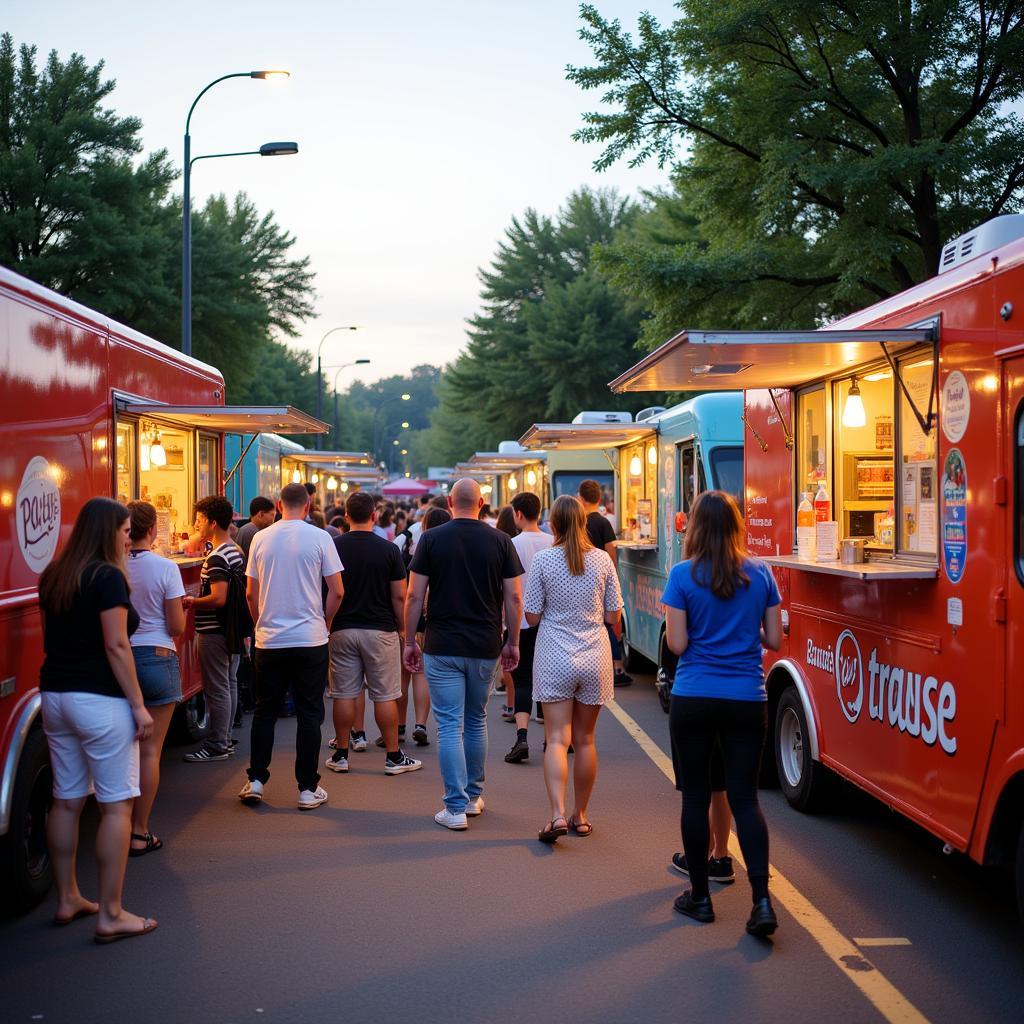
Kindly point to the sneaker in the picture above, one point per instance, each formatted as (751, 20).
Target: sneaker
(700, 909)
(508, 713)
(379, 742)
(333, 742)
(621, 679)
(539, 717)
(520, 752)
(252, 793)
(407, 764)
(310, 798)
(474, 808)
(233, 747)
(763, 921)
(359, 741)
(456, 822)
(337, 763)
(419, 735)
(205, 754)
(719, 868)
(499, 688)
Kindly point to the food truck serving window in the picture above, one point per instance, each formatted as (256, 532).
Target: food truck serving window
(638, 471)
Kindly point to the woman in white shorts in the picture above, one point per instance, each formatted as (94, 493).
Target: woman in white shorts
(572, 591)
(157, 591)
(93, 711)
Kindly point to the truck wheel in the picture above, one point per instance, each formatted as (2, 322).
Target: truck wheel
(666, 674)
(632, 660)
(24, 858)
(194, 718)
(1019, 873)
(805, 783)
(664, 688)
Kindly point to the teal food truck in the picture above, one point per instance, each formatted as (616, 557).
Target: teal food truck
(660, 462)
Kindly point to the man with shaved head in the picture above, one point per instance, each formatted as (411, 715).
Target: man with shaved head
(473, 573)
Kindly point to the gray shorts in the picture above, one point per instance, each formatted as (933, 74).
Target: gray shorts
(369, 655)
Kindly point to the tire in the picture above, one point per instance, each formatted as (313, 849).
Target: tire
(24, 859)
(666, 674)
(1019, 873)
(664, 688)
(193, 719)
(632, 660)
(805, 783)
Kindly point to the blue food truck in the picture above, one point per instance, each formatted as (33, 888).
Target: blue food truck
(660, 461)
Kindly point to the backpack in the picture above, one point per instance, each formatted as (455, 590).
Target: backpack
(406, 547)
(238, 624)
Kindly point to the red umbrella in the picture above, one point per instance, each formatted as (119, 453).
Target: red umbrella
(405, 487)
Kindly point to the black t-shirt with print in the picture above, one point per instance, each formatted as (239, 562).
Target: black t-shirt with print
(466, 563)
(76, 657)
(599, 530)
(217, 569)
(371, 564)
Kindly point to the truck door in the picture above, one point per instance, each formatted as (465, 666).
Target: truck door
(1013, 381)
(691, 482)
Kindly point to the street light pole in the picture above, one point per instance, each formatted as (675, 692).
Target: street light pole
(320, 380)
(383, 405)
(186, 213)
(337, 422)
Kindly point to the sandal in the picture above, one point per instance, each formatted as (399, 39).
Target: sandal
(105, 938)
(580, 828)
(152, 843)
(552, 831)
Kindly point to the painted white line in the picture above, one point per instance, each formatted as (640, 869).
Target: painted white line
(895, 941)
(843, 952)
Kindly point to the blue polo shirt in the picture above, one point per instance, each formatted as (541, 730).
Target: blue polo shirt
(723, 654)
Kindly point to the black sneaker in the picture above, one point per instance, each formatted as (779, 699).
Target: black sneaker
(520, 752)
(679, 864)
(720, 870)
(204, 754)
(700, 910)
(419, 735)
(622, 680)
(763, 921)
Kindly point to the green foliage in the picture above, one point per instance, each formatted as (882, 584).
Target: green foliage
(821, 151)
(550, 335)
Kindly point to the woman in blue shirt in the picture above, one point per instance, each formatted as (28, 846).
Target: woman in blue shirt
(721, 606)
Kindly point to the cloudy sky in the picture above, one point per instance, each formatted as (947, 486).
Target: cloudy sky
(423, 128)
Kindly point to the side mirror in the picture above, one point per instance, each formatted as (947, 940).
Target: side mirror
(680, 522)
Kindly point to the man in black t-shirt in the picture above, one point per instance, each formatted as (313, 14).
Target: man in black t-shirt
(366, 635)
(602, 536)
(473, 573)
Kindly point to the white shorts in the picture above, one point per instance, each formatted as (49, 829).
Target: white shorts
(92, 746)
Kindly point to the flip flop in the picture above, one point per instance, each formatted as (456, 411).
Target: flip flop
(102, 939)
(580, 828)
(551, 832)
(152, 843)
(63, 922)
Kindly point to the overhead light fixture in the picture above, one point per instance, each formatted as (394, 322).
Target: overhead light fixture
(332, 483)
(635, 466)
(157, 453)
(853, 410)
(877, 376)
(296, 477)
(513, 483)
(315, 478)
(531, 477)
(652, 455)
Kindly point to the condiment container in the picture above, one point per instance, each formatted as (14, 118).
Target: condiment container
(851, 550)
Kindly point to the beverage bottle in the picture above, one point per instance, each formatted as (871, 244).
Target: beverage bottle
(805, 528)
(822, 504)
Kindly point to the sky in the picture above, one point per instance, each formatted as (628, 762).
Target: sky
(423, 128)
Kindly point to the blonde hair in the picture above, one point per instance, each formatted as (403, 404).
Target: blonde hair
(569, 524)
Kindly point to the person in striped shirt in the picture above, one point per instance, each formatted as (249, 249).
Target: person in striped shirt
(218, 664)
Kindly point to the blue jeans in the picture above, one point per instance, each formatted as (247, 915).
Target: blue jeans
(458, 695)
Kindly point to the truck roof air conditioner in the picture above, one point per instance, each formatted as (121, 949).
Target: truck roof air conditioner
(603, 417)
(985, 238)
(510, 448)
(650, 412)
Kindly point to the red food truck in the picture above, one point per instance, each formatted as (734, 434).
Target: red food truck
(902, 669)
(89, 407)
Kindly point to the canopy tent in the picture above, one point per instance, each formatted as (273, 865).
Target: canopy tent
(407, 487)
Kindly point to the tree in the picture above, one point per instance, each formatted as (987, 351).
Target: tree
(551, 333)
(822, 150)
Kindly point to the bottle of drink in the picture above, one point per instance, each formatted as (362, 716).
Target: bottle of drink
(822, 504)
(805, 529)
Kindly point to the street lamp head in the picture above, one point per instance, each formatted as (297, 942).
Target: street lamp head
(405, 398)
(405, 424)
(360, 362)
(271, 76)
(279, 149)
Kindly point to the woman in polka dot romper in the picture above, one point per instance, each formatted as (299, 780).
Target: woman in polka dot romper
(571, 592)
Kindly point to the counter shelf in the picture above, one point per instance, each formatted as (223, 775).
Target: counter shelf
(873, 571)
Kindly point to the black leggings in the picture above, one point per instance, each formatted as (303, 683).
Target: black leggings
(740, 726)
(522, 674)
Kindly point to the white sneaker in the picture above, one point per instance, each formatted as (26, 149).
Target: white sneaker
(358, 742)
(456, 822)
(407, 764)
(252, 793)
(337, 763)
(475, 807)
(310, 798)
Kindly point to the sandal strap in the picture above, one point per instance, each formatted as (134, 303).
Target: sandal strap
(144, 838)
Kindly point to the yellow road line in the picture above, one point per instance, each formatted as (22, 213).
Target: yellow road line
(880, 992)
(881, 942)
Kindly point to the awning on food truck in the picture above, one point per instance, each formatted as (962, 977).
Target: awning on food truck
(584, 436)
(332, 460)
(503, 462)
(732, 360)
(232, 419)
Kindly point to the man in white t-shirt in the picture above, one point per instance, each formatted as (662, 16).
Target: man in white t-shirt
(530, 540)
(289, 563)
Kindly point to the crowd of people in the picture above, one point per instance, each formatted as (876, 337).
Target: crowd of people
(444, 599)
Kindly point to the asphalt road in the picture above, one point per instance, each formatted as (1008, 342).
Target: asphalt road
(367, 909)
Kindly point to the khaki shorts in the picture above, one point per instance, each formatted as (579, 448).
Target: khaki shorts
(365, 654)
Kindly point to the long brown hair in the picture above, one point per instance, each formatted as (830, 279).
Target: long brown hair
(714, 542)
(94, 538)
(507, 521)
(569, 525)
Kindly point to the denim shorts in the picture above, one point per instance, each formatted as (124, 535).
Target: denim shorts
(159, 676)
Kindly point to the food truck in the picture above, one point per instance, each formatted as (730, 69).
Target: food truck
(902, 666)
(332, 473)
(507, 471)
(660, 463)
(89, 407)
(258, 465)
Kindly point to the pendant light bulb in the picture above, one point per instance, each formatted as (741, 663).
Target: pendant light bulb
(853, 411)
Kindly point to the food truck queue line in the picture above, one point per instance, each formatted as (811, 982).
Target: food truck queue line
(902, 660)
(90, 407)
